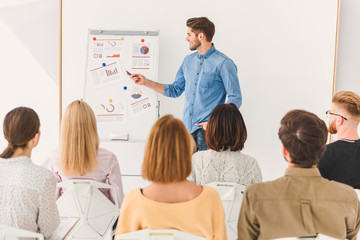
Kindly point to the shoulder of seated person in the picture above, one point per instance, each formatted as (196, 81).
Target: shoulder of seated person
(45, 173)
(199, 153)
(105, 152)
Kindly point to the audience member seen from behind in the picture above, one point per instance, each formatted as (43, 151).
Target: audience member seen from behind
(79, 155)
(224, 162)
(341, 160)
(27, 191)
(301, 203)
(170, 201)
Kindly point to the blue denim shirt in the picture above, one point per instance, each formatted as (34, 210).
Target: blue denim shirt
(206, 79)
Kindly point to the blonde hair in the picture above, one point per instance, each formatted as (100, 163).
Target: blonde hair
(350, 101)
(168, 152)
(79, 141)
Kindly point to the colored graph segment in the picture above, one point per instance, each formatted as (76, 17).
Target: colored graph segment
(144, 50)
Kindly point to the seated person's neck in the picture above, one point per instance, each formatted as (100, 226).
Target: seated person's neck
(348, 133)
(292, 165)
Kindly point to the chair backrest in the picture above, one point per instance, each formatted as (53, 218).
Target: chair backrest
(231, 195)
(318, 237)
(158, 234)
(83, 199)
(357, 192)
(12, 233)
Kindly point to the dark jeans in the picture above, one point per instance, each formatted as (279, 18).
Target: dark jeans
(199, 137)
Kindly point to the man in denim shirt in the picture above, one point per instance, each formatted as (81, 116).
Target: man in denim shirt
(206, 76)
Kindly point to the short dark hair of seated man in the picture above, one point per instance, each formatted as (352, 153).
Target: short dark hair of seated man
(341, 160)
(301, 203)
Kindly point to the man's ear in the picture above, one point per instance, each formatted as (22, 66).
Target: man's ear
(201, 37)
(340, 120)
(285, 151)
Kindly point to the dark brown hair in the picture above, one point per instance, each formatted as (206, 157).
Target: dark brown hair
(350, 101)
(168, 151)
(202, 25)
(20, 126)
(226, 129)
(304, 135)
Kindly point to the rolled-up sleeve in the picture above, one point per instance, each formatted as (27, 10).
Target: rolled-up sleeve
(178, 86)
(230, 79)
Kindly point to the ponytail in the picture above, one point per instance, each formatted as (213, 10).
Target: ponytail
(8, 152)
(20, 126)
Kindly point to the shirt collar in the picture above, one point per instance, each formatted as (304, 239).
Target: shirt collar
(302, 172)
(208, 53)
(15, 159)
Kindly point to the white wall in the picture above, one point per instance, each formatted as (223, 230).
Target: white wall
(284, 50)
(348, 65)
(348, 70)
(23, 82)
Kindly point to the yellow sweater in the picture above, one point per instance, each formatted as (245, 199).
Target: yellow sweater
(203, 216)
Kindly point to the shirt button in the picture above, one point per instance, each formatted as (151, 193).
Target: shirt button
(194, 94)
(195, 84)
(192, 104)
(200, 63)
(197, 73)
(190, 114)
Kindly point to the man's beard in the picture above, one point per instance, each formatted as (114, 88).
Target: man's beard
(332, 128)
(195, 46)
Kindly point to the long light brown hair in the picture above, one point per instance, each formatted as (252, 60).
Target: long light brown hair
(79, 141)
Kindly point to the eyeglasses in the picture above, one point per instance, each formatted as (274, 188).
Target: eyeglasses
(330, 113)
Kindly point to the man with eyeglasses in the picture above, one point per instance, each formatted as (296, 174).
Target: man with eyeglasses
(341, 160)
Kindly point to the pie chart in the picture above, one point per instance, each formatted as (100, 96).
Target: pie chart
(136, 93)
(144, 50)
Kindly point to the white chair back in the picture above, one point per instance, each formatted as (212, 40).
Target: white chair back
(83, 199)
(158, 234)
(231, 195)
(12, 233)
(357, 192)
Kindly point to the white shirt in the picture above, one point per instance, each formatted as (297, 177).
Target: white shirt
(224, 166)
(27, 196)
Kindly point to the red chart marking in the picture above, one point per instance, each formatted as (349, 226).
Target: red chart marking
(102, 67)
(139, 101)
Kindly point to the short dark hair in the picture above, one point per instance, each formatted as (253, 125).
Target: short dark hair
(304, 135)
(226, 129)
(202, 24)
